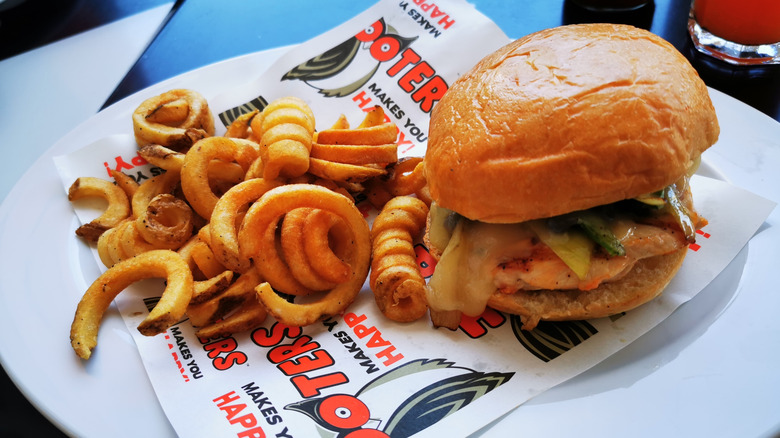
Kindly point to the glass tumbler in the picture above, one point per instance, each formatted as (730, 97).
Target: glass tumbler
(744, 32)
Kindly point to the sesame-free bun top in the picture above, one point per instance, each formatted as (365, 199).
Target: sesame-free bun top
(567, 119)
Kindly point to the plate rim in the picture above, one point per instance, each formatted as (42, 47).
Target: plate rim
(67, 144)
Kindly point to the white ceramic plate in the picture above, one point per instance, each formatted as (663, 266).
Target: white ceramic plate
(709, 369)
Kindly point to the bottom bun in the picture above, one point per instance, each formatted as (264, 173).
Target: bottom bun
(646, 281)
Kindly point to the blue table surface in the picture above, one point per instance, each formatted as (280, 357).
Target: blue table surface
(202, 32)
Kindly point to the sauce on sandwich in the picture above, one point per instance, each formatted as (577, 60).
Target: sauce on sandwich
(557, 253)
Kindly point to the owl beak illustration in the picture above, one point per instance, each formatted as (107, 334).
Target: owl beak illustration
(343, 69)
(337, 415)
(434, 389)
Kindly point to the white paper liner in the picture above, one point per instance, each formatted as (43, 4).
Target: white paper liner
(386, 376)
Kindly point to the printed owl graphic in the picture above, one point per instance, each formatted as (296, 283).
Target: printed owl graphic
(345, 68)
(384, 408)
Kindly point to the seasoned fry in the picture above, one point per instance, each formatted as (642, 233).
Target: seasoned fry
(406, 176)
(208, 310)
(285, 128)
(204, 234)
(175, 119)
(223, 175)
(163, 157)
(374, 135)
(306, 248)
(377, 193)
(205, 260)
(169, 113)
(185, 252)
(131, 243)
(205, 290)
(104, 248)
(109, 246)
(267, 209)
(224, 221)
(160, 184)
(125, 182)
(166, 223)
(250, 314)
(197, 162)
(293, 255)
(118, 205)
(321, 230)
(398, 286)
(241, 128)
(356, 154)
(257, 236)
(169, 310)
(255, 169)
(374, 117)
(343, 172)
(340, 123)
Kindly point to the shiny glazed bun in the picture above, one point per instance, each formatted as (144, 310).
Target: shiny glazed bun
(567, 119)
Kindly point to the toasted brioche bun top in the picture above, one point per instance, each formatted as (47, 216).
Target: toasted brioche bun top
(567, 119)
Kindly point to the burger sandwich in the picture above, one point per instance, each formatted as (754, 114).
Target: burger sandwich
(558, 168)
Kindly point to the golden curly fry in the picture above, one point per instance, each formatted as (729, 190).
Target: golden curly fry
(340, 123)
(377, 193)
(131, 243)
(118, 205)
(161, 184)
(207, 289)
(203, 311)
(342, 172)
(163, 157)
(334, 186)
(372, 135)
(355, 155)
(374, 117)
(285, 129)
(398, 286)
(185, 252)
(205, 260)
(258, 233)
(424, 194)
(224, 221)
(258, 243)
(306, 247)
(125, 182)
(240, 127)
(255, 169)
(104, 244)
(175, 119)
(166, 223)
(197, 162)
(222, 176)
(109, 246)
(406, 177)
(168, 311)
(325, 244)
(274, 205)
(249, 314)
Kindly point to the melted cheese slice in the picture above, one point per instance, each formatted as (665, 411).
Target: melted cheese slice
(463, 278)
